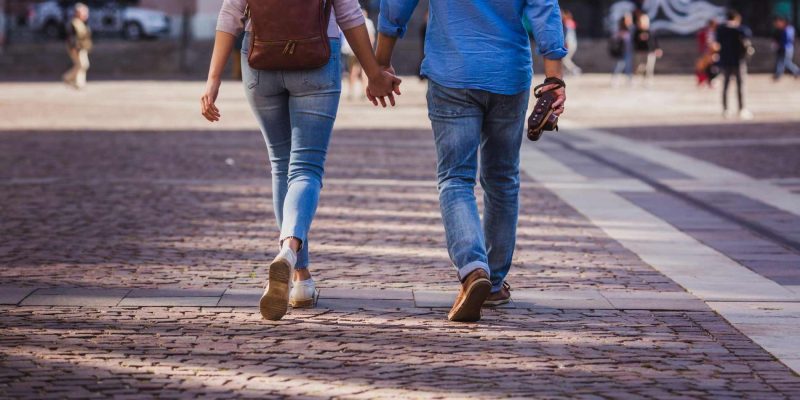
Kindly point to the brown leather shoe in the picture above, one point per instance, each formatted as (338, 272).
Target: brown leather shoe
(499, 298)
(474, 290)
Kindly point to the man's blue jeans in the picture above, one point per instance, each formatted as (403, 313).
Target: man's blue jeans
(296, 111)
(466, 123)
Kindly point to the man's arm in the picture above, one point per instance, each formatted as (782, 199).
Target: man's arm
(545, 20)
(392, 23)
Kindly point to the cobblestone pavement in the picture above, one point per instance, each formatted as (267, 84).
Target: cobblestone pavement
(170, 211)
(406, 353)
(149, 197)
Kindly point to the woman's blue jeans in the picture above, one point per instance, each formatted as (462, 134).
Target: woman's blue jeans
(296, 111)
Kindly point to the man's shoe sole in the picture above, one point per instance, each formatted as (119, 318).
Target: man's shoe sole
(496, 303)
(275, 302)
(470, 308)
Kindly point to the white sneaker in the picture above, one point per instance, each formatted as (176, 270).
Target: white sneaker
(745, 115)
(275, 300)
(303, 294)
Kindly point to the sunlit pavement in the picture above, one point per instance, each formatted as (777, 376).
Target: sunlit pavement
(658, 252)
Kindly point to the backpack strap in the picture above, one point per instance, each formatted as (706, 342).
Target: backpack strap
(327, 13)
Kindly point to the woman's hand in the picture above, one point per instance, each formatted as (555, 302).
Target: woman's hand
(207, 107)
(383, 84)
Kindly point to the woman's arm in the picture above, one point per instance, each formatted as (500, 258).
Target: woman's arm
(223, 44)
(381, 82)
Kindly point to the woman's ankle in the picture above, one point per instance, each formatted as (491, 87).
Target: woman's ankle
(292, 243)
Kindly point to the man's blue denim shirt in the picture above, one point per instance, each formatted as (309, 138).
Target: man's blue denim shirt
(481, 44)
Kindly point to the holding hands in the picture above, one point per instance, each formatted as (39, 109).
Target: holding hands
(382, 84)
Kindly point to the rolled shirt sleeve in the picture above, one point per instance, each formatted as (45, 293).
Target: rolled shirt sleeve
(348, 14)
(394, 16)
(231, 17)
(545, 20)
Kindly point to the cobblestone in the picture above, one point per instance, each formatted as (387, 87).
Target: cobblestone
(384, 355)
(172, 213)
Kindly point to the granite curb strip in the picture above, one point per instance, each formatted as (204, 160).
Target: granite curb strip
(336, 298)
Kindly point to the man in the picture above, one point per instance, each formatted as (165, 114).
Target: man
(79, 43)
(784, 48)
(733, 42)
(478, 65)
(645, 44)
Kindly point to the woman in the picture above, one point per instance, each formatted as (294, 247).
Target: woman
(622, 49)
(296, 111)
(705, 67)
(571, 39)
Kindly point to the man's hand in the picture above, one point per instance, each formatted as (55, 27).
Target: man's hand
(553, 68)
(561, 97)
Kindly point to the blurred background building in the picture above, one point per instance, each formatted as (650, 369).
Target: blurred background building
(172, 38)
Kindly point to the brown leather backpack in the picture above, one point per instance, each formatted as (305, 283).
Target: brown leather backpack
(289, 34)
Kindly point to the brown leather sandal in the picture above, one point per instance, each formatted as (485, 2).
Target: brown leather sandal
(543, 117)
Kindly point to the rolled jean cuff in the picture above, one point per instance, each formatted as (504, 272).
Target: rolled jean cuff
(497, 288)
(467, 269)
(301, 266)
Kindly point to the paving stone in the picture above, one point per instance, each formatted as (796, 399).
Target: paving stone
(165, 292)
(169, 302)
(366, 294)
(241, 298)
(76, 291)
(434, 299)
(75, 297)
(655, 301)
(11, 295)
(361, 304)
(584, 299)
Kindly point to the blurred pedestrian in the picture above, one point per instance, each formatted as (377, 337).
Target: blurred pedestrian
(355, 76)
(646, 47)
(783, 43)
(621, 48)
(571, 41)
(733, 42)
(706, 66)
(79, 44)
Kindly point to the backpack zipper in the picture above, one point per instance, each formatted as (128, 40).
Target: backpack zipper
(291, 44)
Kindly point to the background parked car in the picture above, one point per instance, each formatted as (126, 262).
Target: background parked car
(106, 17)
